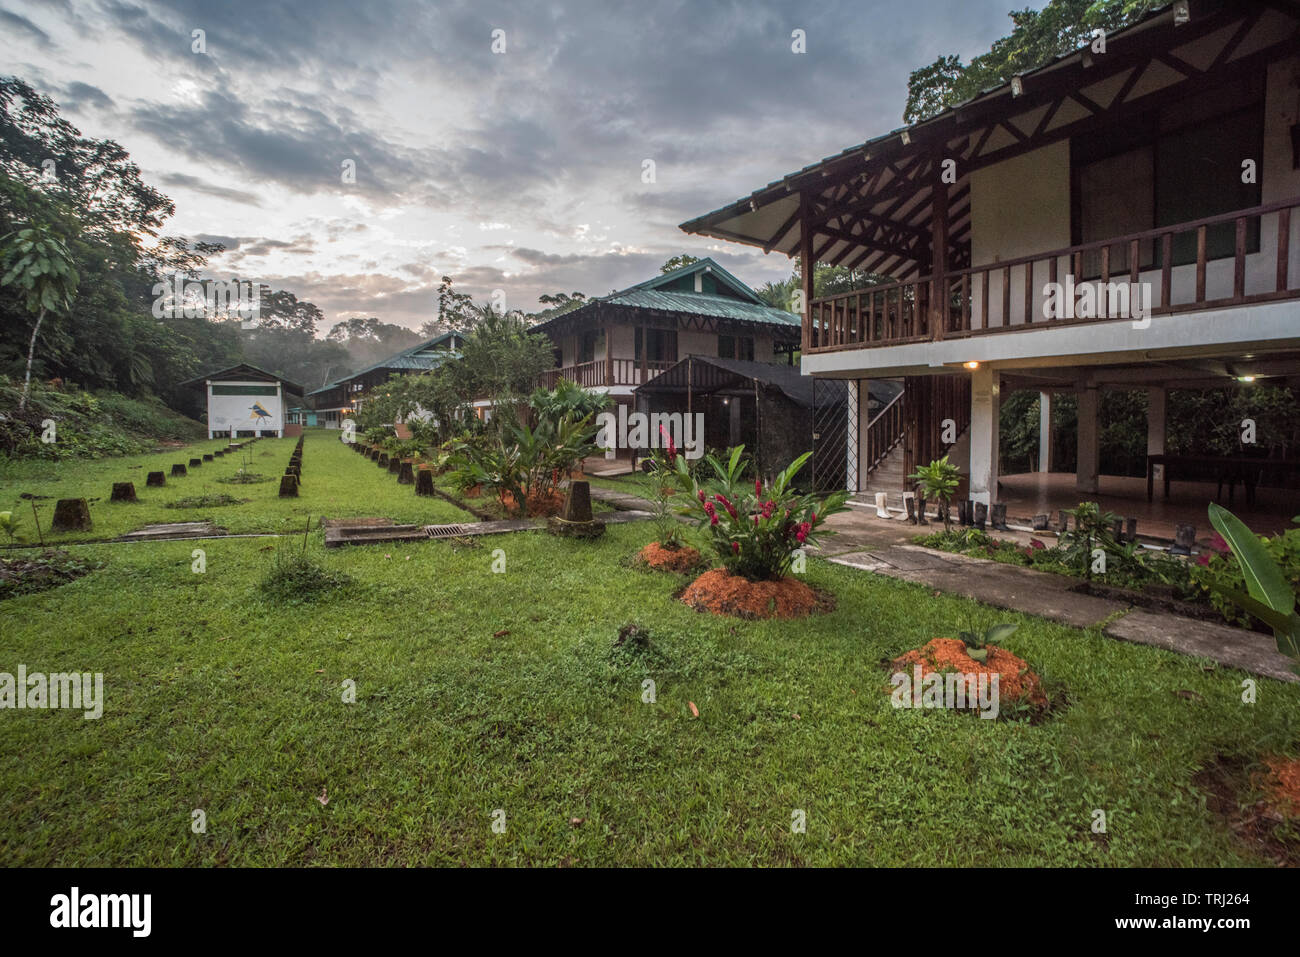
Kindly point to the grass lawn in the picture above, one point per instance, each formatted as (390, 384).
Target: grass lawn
(336, 483)
(479, 691)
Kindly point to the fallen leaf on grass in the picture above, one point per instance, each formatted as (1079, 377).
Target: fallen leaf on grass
(1189, 695)
(694, 710)
(502, 633)
(576, 821)
(323, 798)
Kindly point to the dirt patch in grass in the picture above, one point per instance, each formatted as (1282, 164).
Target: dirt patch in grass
(1268, 826)
(1017, 682)
(683, 558)
(245, 478)
(206, 501)
(49, 569)
(722, 593)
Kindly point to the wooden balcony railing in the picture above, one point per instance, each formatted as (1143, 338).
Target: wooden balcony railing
(605, 372)
(1174, 265)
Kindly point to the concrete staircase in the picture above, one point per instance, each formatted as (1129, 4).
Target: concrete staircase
(889, 477)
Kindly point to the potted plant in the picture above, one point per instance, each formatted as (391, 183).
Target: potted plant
(937, 482)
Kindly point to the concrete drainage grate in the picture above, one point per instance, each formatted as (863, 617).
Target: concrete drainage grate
(445, 531)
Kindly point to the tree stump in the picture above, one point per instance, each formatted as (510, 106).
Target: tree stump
(423, 482)
(288, 487)
(178, 469)
(71, 515)
(218, 454)
(155, 479)
(394, 465)
(405, 473)
(195, 463)
(123, 492)
(207, 457)
(383, 460)
(576, 520)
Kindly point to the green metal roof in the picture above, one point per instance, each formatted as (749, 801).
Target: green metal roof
(737, 303)
(420, 358)
(702, 304)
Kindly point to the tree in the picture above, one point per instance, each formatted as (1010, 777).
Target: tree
(456, 310)
(677, 262)
(1037, 37)
(38, 264)
(557, 304)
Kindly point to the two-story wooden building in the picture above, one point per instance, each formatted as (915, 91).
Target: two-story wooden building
(1124, 217)
(620, 341)
(343, 397)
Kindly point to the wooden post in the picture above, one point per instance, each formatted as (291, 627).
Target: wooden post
(939, 255)
(807, 267)
(690, 368)
(644, 333)
(609, 355)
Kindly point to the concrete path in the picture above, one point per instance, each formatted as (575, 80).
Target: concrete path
(623, 501)
(1050, 596)
(352, 534)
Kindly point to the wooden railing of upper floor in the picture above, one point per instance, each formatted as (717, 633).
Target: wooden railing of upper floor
(605, 372)
(1010, 296)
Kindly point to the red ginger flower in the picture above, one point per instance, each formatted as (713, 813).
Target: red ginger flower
(672, 449)
(758, 488)
(735, 548)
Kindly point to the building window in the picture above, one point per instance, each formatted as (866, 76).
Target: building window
(657, 345)
(591, 345)
(1177, 165)
(736, 347)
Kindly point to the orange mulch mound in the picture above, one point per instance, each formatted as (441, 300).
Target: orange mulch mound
(722, 593)
(1284, 785)
(539, 504)
(1015, 679)
(680, 559)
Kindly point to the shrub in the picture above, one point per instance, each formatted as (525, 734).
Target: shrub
(296, 577)
(937, 482)
(754, 529)
(1254, 575)
(526, 464)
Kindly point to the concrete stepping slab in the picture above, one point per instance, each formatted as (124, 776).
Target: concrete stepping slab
(386, 531)
(1234, 647)
(151, 533)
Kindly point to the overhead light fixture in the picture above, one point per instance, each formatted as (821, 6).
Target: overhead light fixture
(971, 365)
(1182, 13)
(1017, 86)
(1245, 378)
(907, 138)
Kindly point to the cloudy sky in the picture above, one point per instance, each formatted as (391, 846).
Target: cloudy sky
(519, 169)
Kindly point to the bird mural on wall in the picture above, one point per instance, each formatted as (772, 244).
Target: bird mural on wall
(259, 413)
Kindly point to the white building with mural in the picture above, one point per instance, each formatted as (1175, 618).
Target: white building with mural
(245, 401)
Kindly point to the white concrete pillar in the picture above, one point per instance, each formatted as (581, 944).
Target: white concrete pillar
(985, 399)
(1044, 431)
(1088, 463)
(853, 435)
